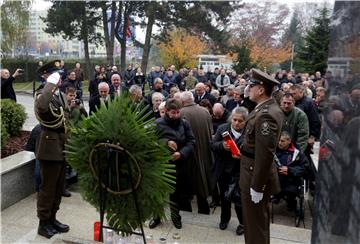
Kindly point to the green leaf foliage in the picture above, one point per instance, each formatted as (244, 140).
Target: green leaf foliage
(13, 116)
(313, 54)
(4, 134)
(243, 61)
(120, 124)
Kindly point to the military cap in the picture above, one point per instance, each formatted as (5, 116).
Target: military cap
(262, 78)
(50, 67)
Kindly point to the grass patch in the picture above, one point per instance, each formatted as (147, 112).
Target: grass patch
(28, 86)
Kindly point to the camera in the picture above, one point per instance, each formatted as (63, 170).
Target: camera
(77, 101)
(20, 71)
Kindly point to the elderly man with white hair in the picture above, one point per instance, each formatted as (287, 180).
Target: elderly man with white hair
(199, 170)
(102, 98)
(201, 93)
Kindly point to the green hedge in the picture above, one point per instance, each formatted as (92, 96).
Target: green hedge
(31, 65)
(4, 134)
(13, 116)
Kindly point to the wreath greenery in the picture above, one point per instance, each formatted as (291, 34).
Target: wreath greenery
(121, 125)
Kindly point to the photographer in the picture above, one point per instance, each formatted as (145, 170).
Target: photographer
(7, 90)
(76, 106)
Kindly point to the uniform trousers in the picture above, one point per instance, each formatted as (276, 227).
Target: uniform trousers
(256, 218)
(51, 189)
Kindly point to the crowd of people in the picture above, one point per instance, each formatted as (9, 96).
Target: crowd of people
(193, 108)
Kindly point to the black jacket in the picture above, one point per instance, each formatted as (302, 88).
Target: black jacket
(95, 103)
(128, 78)
(221, 121)
(297, 164)
(7, 90)
(224, 162)
(34, 134)
(207, 96)
(307, 105)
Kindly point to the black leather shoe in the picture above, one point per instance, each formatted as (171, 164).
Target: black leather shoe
(223, 225)
(154, 222)
(46, 230)
(240, 230)
(60, 227)
(66, 193)
(176, 219)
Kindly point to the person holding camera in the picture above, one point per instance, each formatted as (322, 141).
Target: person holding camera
(77, 110)
(7, 89)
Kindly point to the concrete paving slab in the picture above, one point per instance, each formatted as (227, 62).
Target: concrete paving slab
(19, 225)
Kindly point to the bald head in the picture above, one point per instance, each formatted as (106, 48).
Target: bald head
(200, 89)
(218, 110)
(115, 80)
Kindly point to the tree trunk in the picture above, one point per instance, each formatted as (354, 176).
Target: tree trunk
(145, 56)
(106, 34)
(112, 31)
(123, 42)
(86, 46)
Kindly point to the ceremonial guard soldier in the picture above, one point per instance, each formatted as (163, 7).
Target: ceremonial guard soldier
(258, 175)
(51, 110)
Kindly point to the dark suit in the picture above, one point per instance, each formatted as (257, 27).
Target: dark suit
(257, 168)
(7, 90)
(207, 96)
(95, 103)
(51, 110)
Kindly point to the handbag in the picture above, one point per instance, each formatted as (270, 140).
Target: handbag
(232, 194)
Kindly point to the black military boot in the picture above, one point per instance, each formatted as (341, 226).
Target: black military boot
(46, 229)
(60, 227)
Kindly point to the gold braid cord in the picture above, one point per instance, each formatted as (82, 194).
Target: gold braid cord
(109, 145)
(57, 122)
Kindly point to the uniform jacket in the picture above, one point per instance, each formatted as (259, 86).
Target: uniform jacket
(262, 132)
(297, 125)
(51, 141)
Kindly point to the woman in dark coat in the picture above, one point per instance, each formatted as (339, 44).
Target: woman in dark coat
(181, 141)
(227, 166)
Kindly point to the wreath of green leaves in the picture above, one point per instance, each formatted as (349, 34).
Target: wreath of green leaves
(122, 125)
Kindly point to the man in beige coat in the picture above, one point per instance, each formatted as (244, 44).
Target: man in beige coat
(200, 168)
(258, 176)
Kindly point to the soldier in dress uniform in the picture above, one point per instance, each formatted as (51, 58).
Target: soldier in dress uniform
(258, 175)
(51, 109)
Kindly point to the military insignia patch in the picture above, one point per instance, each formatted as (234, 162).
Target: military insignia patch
(265, 128)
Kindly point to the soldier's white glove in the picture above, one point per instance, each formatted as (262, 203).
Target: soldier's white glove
(54, 78)
(256, 197)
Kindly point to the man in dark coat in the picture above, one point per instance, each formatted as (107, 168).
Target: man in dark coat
(220, 116)
(102, 98)
(201, 124)
(200, 94)
(128, 77)
(258, 176)
(180, 139)
(7, 90)
(156, 73)
(51, 109)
